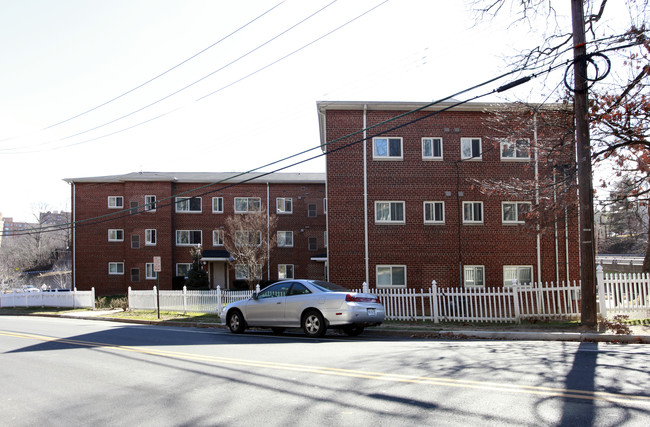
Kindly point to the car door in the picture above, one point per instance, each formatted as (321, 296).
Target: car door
(267, 309)
(298, 297)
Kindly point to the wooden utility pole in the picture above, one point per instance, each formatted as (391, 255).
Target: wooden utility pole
(585, 186)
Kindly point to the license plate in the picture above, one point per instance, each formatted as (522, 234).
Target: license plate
(371, 312)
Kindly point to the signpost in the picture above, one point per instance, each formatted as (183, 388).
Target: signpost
(157, 268)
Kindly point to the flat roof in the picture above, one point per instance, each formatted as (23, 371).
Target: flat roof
(208, 177)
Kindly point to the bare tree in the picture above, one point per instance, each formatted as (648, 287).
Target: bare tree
(248, 238)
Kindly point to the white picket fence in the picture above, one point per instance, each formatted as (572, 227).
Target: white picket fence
(59, 299)
(186, 301)
(626, 294)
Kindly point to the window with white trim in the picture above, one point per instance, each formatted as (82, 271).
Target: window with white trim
(248, 204)
(284, 205)
(325, 205)
(472, 212)
(150, 203)
(434, 212)
(470, 148)
(248, 238)
(217, 205)
(431, 148)
(183, 268)
(515, 149)
(115, 235)
(217, 237)
(474, 275)
(150, 237)
(523, 274)
(285, 239)
(514, 212)
(149, 274)
(285, 271)
(188, 204)
(387, 148)
(115, 202)
(391, 276)
(188, 237)
(325, 239)
(389, 212)
(241, 271)
(116, 268)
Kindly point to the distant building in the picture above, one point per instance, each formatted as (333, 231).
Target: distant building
(9, 227)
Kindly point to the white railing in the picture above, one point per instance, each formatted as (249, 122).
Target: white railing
(186, 301)
(627, 294)
(59, 299)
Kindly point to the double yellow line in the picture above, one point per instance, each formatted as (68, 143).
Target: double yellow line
(379, 376)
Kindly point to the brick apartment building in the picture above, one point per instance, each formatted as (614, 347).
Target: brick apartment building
(403, 209)
(124, 221)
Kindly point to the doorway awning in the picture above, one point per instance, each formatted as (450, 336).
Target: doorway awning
(215, 255)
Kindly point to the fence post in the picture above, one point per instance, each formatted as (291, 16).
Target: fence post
(600, 284)
(218, 300)
(515, 293)
(257, 288)
(364, 288)
(128, 296)
(155, 300)
(434, 296)
(184, 299)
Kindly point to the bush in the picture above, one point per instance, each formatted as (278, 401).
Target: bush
(618, 325)
(112, 302)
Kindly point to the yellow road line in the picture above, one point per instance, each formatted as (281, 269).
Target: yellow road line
(381, 376)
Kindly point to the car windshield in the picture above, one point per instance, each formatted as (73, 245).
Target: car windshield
(328, 287)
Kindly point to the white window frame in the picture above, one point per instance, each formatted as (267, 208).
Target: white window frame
(148, 234)
(248, 200)
(150, 203)
(325, 239)
(184, 205)
(390, 268)
(116, 268)
(470, 141)
(386, 140)
(149, 274)
(390, 211)
(472, 220)
(286, 271)
(112, 202)
(471, 283)
(187, 266)
(113, 235)
(219, 207)
(284, 205)
(217, 237)
(434, 220)
(189, 233)
(243, 238)
(515, 157)
(511, 272)
(284, 239)
(516, 211)
(325, 205)
(431, 141)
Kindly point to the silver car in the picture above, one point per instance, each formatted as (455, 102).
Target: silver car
(312, 305)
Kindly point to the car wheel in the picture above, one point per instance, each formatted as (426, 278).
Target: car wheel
(278, 331)
(313, 324)
(236, 322)
(353, 330)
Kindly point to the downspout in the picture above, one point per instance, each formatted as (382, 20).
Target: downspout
(327, 215)
(566, 242)
(365, 190)
(268, 232)
(557, 254)
(539, 243)
(74, 237)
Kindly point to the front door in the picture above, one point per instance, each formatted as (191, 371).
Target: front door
(218, 275)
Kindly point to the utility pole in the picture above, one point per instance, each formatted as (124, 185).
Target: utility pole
(585, 185)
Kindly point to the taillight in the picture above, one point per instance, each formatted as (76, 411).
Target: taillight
(354, 298)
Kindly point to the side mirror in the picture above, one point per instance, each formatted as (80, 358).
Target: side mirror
(254, 296)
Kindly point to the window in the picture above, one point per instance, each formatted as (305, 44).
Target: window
(312, 244)
(285, 239)
(389, 212)
(298, 289)
(275, 291)
(150, 203)
(514, 212)
(188, 237)
(311, 210)
(217, 205)
(285, 271)
(241, 272)
(523, 274)
(473, 212)
(474, 275)
(325, 239)
(135, 274)
(150, 237)
(188, 204)
(391, 276)
(284, 205)
(149, 273)
(115, 202)
(217, 237)
(431, 148)
(387, 148)
(434, 212)
(515, 150)
(115, 268)
(325, 205)
(135, 241)
(470, 148)
(182, 269)
(248, 238)
(248, 204)
(115, 235)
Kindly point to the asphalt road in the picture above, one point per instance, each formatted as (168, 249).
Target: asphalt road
(83, 372)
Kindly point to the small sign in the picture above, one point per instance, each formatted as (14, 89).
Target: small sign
(157, 268)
